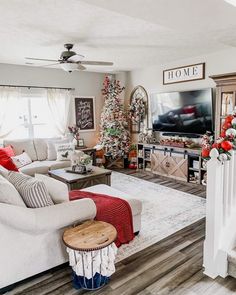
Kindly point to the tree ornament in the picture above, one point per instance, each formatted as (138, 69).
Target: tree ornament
(233, 122)
(223, 157)
(222, 134)
(229, 119)
(214, 153)
(231, 132)
(205, 153)
(226, 125)
(216, 145)
(227, 145)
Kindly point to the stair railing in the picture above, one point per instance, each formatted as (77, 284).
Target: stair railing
(220, 215)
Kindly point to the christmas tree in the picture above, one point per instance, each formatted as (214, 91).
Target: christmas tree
(114, 133)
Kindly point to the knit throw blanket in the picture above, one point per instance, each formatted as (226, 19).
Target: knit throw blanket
(113, 210)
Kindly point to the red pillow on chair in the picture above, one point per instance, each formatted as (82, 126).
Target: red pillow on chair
(5, 158)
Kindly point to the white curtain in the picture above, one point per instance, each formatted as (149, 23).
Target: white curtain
(59, 104)
(9, 110)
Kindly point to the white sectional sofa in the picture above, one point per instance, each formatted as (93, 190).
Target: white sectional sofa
(38, 152)
(31, 239)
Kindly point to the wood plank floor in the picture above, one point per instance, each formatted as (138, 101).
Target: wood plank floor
(171, 266)
(198, 190)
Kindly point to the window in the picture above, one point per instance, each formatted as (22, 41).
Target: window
(32, 115)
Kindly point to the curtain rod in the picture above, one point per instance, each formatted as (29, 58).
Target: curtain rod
(37, 87)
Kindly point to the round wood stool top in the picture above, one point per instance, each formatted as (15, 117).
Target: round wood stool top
(90, 235)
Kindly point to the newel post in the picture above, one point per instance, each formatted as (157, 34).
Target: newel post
(214, 260)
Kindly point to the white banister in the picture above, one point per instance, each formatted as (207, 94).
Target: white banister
(220, 215)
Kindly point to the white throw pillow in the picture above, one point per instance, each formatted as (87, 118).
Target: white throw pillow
(21, 160)
(3, 171)
(52, 153)
(33, 192)
(64, 151)
(8, 193)
(58, 190)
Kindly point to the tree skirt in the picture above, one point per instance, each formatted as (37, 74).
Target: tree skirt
(165, 211)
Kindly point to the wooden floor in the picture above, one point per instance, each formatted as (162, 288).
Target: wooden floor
(171, 266)
(198, 190)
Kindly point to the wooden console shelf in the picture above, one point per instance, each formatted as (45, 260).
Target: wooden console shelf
(178, 163)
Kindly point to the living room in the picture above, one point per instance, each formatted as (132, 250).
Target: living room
(117, 147)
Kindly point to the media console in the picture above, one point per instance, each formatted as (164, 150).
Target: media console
(177, 163)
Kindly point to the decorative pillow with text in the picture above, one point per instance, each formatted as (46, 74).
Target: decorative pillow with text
(64, 151)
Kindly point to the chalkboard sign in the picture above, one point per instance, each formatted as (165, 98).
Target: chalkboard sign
(84, 113)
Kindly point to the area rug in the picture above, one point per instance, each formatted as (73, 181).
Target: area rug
(165, 211)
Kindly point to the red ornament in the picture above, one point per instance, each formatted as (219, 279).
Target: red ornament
(216, 145)
(222, 134)
(205, 153)
(229, 118)
(226, 125)
(227, 145)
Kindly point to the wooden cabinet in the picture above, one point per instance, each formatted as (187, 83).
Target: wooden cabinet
(170, 163)
(177, 163)
(225, 98)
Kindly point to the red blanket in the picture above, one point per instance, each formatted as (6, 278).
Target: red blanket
(113, 210)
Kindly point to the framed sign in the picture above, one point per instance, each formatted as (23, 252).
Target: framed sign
(85, 113)
(184, 74)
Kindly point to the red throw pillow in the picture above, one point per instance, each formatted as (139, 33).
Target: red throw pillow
(5, 158)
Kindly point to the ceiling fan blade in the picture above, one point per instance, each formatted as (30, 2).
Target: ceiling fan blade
(75, 58)
(42, 59)
(48, 65)
(81, 68)
(96, 63)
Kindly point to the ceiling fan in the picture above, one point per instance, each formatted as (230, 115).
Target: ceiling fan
(71, 61)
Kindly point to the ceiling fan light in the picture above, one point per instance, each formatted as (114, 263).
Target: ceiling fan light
(232, 2)
(69, 67)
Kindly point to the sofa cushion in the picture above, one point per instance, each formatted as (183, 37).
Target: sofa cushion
(21, 160)
(23, 145)
(5, 158)
(64, 151)
(53, 165)
(135, 204)
(51, 151)
(41, 147)
(9, 194)
(58, 190)
(35, 167)
(33, 192)
(3, 171)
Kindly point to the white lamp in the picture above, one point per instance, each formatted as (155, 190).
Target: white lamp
(69, 66)
(232, 2)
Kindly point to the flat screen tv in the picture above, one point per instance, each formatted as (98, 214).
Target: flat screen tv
(182, 112)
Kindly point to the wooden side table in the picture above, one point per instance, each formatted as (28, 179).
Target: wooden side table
(92, 252)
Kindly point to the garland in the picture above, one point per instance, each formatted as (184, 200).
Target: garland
(221, 148)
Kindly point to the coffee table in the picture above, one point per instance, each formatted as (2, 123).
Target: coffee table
(79, 181)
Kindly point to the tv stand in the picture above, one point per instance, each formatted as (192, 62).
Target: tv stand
(177, 163)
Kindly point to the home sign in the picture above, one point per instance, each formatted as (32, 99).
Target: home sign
(184, 74)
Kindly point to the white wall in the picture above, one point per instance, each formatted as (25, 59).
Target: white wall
(85, 83)
(151, 78)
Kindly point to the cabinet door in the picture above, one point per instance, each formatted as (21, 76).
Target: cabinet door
(178, 166)
(159, 162)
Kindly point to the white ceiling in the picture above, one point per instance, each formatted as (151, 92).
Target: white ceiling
(131, 33)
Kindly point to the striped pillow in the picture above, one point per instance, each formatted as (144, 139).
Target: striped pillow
(32, 191)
